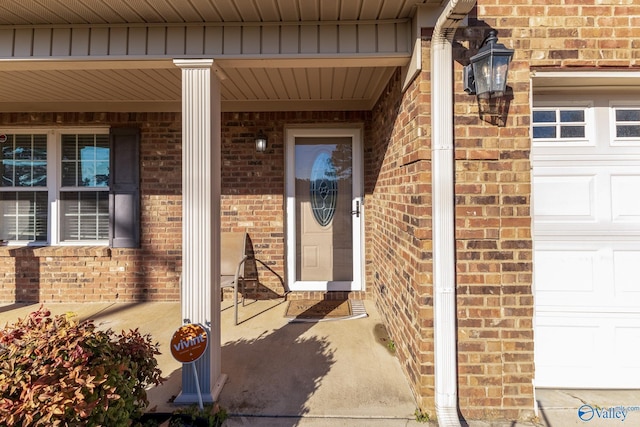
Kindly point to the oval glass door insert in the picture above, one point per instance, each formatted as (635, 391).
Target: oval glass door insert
(324, 189)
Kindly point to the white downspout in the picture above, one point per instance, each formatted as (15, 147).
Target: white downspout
(444, 267)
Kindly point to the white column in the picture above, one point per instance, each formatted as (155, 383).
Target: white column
(200, 292)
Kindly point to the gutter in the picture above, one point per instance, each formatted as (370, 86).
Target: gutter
(443, 228)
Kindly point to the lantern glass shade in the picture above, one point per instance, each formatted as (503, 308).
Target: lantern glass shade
(489, 69)
(261, 142)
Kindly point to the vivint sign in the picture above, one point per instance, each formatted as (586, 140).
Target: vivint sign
(189, 343)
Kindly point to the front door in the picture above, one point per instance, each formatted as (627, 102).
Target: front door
(324, 209)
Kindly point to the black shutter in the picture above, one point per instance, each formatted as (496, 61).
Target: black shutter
(124, 188)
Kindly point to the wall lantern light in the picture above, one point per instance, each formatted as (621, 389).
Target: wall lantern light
(261, 142)
(486, 75)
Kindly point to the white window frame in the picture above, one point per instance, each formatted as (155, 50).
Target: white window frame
(587, 141)
(54, 182)
(622, 141)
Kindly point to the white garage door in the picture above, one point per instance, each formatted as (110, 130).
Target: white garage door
(586, 204)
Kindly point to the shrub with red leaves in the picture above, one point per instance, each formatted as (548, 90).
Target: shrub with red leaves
(58, 372)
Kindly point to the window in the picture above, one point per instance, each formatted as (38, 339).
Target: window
(559, 123)
(58, 187)
(627, 123)
(84, 191)
(24, 205)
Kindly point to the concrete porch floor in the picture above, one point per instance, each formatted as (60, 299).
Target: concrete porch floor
(336, 373)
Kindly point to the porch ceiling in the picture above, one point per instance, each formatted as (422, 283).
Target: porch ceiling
(39, 12)
(254, 83)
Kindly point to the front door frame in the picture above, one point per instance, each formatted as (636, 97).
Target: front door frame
(355, 133)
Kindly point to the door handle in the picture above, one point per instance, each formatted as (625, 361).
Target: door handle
(357, 211)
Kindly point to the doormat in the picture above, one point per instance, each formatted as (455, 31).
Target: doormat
(324, 310)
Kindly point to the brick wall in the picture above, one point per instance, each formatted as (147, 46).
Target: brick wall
(253, 193)
(566, 33)
(493, 188)
(252, 200)
(398, 203)
(494, 300)
(493, 244)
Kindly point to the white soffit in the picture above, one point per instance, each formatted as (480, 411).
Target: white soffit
(156, 88)
(53, 74)
(64, 12)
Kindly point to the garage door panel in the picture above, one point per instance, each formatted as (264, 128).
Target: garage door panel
(587, 273)
(566, 346)
(626, 345)
(625, 204)
(587, 350)
(567, 350)
(565, 271)
(572, 275)
(626, 275)
(564, 198)
(588, 198)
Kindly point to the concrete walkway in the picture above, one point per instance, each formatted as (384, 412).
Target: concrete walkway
(280, 373)
(328, 373)
(338, 373)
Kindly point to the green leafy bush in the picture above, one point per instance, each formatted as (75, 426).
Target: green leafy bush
(58, 372)
(212, 415)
